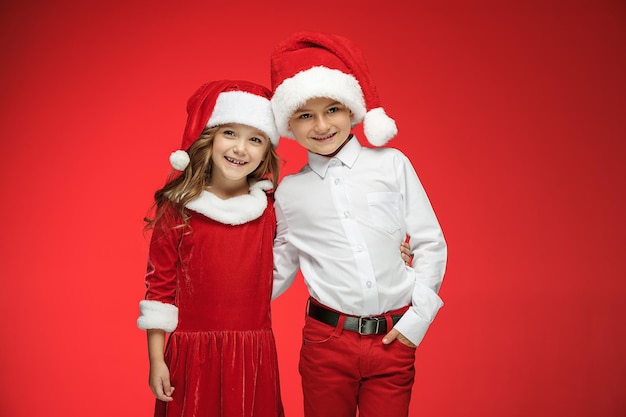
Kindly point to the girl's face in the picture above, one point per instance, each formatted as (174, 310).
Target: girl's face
(321, 125)
(237, 151)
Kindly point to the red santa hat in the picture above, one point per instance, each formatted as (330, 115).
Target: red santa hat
(313, 64)
(226, 101)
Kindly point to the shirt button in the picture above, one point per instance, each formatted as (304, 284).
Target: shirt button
(359, 248)
(346, 214)
(337, 181)
(369, 284)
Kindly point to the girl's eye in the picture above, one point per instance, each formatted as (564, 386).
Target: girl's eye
(229, 133)
(256, 140)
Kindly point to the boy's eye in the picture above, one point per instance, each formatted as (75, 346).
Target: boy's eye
(304, 116)
(333, 109)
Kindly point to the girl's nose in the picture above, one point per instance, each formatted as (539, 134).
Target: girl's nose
(240, 147)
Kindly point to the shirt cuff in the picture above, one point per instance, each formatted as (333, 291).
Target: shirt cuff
(417, 319)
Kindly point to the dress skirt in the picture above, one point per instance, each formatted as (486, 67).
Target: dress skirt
(222, 374)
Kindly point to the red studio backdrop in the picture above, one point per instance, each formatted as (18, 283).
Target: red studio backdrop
(513, 113)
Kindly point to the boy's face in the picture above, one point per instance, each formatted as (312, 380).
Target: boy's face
(322, 125)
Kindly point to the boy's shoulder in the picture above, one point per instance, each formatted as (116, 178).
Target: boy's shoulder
(383, 153)
(381, 150)
(302, 172)
(293, 179)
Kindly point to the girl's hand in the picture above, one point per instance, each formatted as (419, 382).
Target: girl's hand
(159, 381)
(405, 252)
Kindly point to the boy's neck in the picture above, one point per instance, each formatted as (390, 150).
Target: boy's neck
(332, 155)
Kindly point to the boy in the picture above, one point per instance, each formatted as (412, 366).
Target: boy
(339, 220)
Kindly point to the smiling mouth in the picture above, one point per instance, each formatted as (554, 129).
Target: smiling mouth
(235, 161)
(324, 138)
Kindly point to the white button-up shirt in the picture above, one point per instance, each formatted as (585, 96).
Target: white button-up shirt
(341, 221)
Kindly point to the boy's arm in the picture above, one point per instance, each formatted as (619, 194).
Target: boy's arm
(286, 263)
(429, 251)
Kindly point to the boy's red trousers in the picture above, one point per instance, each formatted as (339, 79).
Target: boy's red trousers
(342, 370)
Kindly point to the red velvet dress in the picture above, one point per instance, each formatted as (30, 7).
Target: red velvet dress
(222, 355)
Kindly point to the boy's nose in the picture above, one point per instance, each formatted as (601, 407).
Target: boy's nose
(321, 124)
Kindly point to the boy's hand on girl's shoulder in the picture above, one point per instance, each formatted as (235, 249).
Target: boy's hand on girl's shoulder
(393, 335)
(160, 381)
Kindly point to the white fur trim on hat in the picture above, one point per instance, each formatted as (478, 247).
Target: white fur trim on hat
(245, 108)
(316, 82)
(378, 127)
(179, 160)
(157, 315)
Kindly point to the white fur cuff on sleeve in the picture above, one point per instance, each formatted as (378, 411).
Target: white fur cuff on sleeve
(157, 315)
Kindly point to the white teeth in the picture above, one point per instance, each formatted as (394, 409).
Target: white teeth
(233, 161)
(325, 137)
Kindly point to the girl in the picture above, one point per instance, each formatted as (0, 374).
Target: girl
(210, 261)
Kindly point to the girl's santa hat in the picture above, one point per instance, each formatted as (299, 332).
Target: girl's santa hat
(312, 64)
(226, 101)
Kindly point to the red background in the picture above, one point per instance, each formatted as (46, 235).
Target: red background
(512, 112)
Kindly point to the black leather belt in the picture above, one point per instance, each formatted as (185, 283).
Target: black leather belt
(361, 325)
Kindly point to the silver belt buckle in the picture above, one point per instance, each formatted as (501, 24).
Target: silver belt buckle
(362, 323)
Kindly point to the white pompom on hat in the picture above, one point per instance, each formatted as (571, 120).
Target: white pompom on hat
(225, 101)
(313, 64)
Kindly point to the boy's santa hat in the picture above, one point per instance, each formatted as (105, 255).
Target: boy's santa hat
(312, 64)
(226, 101)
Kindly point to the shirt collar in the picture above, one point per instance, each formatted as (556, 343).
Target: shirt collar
(347, 155)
